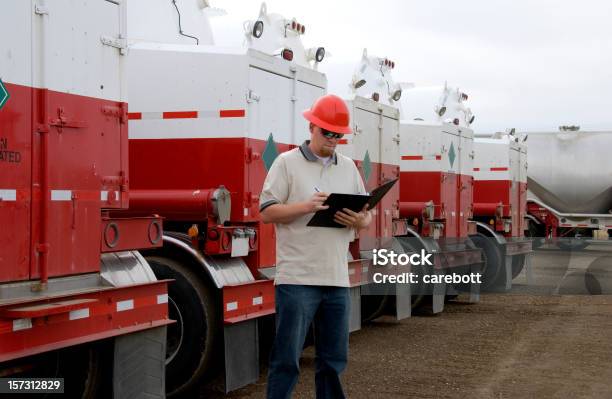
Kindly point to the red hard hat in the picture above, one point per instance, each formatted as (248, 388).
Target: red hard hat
(330, 113)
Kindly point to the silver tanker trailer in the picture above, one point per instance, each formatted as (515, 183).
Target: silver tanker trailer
(569, 185)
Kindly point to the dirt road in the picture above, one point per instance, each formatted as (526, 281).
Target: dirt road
(525, 345)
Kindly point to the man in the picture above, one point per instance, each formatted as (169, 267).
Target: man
(311, 269)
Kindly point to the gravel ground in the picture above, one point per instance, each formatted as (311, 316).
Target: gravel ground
(526, 344)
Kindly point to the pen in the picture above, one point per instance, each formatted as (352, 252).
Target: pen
(317, 189)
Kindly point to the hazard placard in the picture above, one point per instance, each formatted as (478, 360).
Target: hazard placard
(4, 94)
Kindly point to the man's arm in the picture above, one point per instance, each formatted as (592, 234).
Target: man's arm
(287, 213)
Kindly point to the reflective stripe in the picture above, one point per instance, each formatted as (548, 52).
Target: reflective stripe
(125, 305)
(8, 195)
(162, 298)
(231, 306)
(61, 195)
(104, 195)
(79, 314)
(22, 324)
(258, 300)
(180, 115)
(223, 113)
(364, 269)
(231, 113)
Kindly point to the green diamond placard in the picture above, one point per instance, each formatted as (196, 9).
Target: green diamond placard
(4, 94)
(367, 166)
(270, 152)
(451, 154)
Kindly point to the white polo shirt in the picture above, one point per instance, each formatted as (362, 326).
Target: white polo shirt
(310, 255)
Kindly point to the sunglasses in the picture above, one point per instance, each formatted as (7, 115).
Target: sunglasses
(331, 135)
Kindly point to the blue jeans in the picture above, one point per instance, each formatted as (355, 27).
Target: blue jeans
(297, 306)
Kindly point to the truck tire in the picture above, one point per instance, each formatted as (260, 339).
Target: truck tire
(373, 306)
(83, 368)
(536, 233)
(192, 340)
(83, 371)
(492, 262)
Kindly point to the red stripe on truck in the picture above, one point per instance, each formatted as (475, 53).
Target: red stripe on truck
(498, 169)
(231, 113)
(180, 115)
(134, 115)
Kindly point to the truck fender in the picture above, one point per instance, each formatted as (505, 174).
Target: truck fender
(501, 240)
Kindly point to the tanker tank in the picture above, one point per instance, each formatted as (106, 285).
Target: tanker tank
(570, 170)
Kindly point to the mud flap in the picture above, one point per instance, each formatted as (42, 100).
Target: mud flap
(139, 367)
(355, 315)
(475, 288)
(241, 346)
(529, 269)
(438, 297)
(403, 301)
(507, 284)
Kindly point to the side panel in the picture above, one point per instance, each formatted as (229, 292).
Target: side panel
(522, 190)
(271, 112)
(466, 183)
(515, 193)
(307, 94)
(451, 184)
(69, 54)
(80, 148)
(421, 159)
(15, 142)
(371, 144)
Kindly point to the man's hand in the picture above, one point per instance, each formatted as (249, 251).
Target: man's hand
(356, 220)
(315, 203)
(287, 213)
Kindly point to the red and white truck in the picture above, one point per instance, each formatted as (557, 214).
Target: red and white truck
(206, 123)
(374, 146)
(435, 161)
(500, 205)
(77, 301)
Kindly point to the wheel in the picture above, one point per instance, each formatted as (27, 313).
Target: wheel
(192, 340)
(84, 369)
(82, 365)
(536, 233)
(518, 262)
(373, 306)
(492, 270)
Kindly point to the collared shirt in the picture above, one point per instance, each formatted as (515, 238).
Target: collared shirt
(310, 255)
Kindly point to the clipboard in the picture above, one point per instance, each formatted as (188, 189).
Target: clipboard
(354, 202)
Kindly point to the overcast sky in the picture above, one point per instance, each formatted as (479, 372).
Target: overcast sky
(532, 65)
